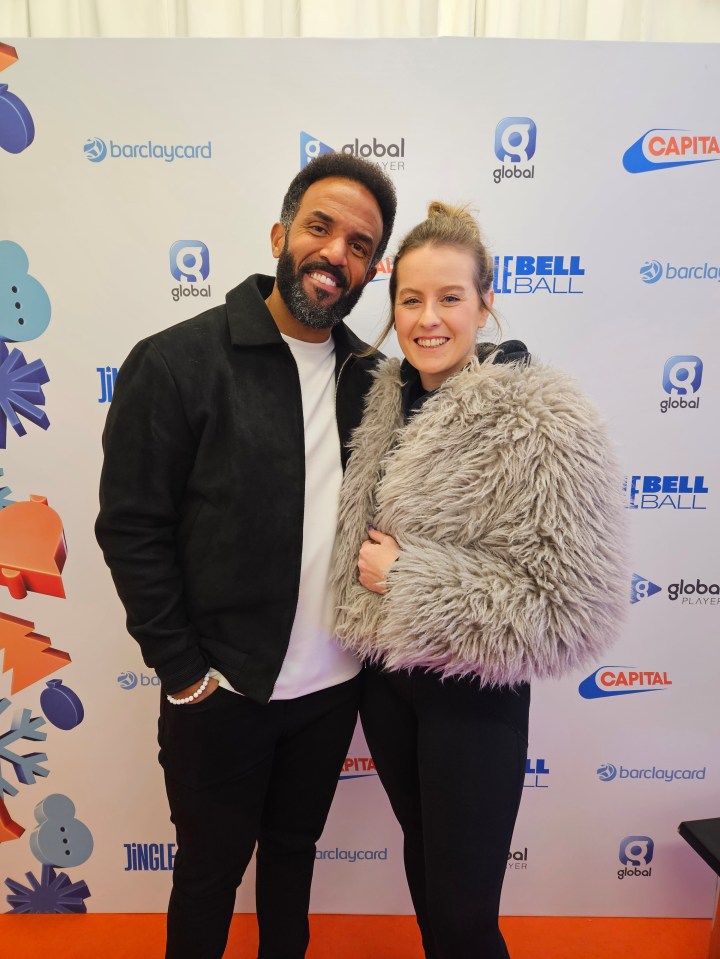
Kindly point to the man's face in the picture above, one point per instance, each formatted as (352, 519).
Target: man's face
(324, 258)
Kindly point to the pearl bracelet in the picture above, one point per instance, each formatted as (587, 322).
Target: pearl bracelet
(189, 699)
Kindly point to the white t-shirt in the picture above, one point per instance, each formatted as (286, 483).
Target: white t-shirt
(314, 660)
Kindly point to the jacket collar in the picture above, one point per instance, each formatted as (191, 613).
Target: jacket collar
(251, 323)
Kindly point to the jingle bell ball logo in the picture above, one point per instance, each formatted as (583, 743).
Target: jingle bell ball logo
(389, 156)
(661, 148)
(515, 143)
(666, 492)
(636, 854)
(549, 273)
(622, 681)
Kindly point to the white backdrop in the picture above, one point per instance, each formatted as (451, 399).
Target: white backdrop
(609, 776)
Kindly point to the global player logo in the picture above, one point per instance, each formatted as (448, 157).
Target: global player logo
(515, 143)
(651, 271)
(661, 148)
(641, 588)
(389, 156)
(636, 854)
(622, 681)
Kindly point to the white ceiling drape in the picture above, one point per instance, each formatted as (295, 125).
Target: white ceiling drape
(665, 20)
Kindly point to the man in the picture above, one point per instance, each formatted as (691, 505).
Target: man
(224, 448)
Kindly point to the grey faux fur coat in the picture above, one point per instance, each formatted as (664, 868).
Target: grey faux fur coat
(504, 496)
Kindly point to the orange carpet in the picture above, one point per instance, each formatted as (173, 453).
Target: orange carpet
(356, 937)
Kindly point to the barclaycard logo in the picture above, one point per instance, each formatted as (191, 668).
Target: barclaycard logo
(129, 680)
(621, 681)
(609, 772)
(661, 148)
(96, 150)
(652, 270)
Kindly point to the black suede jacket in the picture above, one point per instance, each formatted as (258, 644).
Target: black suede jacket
(202, 489)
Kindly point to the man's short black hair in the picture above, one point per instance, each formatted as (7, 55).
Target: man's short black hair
(349, 167)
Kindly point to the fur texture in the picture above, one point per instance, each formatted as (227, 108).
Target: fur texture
(504, 496)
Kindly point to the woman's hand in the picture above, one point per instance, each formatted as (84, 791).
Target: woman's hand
(377, 555)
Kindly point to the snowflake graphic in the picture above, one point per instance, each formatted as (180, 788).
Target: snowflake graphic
(54, 893)
(5, 492)
(20, 392)
(26, 767)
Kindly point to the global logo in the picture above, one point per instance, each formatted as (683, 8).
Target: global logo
(189, 263)
(651, 271)
(635, 853)
(641, 588)
(127, 680)
(622, 681)
(607, 773)
(660, 148)
(515, 142)
(95, 150)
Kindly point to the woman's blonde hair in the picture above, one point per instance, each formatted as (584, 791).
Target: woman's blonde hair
(446, 225)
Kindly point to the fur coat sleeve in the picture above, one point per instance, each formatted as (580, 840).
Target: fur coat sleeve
(504, 496)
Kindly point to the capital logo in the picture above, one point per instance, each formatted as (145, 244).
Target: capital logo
(660, 148)
(682, 375)
(515, 140)
(95, 150)
(657, 492)
(622, 681)
(642, 588)
(651, 271)
(310, 148)
(189, 261)
(607, 773)
(17, 130)
(358, 767)
(636, 851)
(127, 680)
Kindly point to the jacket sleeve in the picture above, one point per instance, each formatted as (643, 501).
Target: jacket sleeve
(149, 453)
(541, 588)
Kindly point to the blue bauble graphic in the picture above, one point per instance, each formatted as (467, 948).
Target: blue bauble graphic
(61, 705)
(17, 130)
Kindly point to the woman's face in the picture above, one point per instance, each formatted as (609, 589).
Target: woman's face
(437, 311)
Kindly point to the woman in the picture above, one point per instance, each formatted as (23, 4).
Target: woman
(479, 547)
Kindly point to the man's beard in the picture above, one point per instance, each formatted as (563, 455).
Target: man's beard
(313, 313)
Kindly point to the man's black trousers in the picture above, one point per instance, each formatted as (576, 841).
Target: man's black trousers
(238, 772)
(451, 756)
